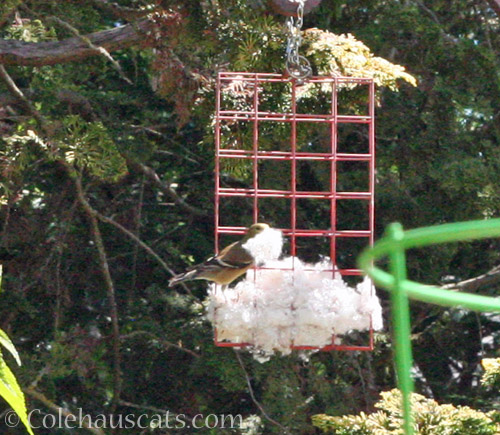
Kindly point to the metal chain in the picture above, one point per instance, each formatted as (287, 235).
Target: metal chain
(296, 65)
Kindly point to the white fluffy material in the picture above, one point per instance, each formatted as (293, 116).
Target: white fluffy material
(288, 302)
(265, 246)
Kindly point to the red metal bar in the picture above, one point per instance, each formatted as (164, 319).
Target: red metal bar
(286, 155)
(303, 233)
(280, 78)
(333, 119)
(255, 149)
(343, 347)
(333, 175)
(293, 143)
(371, 149)
(217, 164)
(233, 115)
(270, 193)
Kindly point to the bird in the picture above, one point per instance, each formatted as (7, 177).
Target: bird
(232, 262)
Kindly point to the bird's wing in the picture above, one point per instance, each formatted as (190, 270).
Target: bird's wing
(233, 256)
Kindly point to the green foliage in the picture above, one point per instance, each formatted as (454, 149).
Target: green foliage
(89, 145)
(9, 388)
(12, 394)
(491, 375)
(429, 418)
(30, 31)
(437, 161)
(344, 55)
(82, 144)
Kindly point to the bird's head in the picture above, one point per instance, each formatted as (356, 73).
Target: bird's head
(254, 230)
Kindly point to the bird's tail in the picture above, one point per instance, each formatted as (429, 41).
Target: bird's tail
(177, 279)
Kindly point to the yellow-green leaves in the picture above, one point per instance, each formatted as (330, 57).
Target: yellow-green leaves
(88, 145)
(7, 343)
(491, 375)
(430, 418)
(9, 388)
(346, 56)
(12, 394)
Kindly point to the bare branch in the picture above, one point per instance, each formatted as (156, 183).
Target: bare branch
(162, 341)
(166, 189)
(76, 102)
(254, 400)
(13, 52)
(103, 262)
(148, 408)
(31, 391)
(435, 18)
(143, 245)
(20, 97)
(98, 49)
(489, 278)
(123, 11)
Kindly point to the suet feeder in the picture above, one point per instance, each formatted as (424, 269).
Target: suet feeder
(330, 152)
(277, 130)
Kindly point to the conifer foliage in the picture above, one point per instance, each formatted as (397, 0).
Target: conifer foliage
(106, 175)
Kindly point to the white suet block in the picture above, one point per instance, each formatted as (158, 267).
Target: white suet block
(288, 302)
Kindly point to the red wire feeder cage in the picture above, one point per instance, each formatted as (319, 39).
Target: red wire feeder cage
(256, 87)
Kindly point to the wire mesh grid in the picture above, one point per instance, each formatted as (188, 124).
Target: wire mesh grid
(240, 139)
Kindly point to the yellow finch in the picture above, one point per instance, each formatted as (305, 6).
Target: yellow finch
(232, 262)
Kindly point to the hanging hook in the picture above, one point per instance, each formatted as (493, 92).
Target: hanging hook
(297, 66)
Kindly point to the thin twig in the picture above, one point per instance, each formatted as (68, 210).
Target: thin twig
(148, 408)
(19, 95)
(45, 370)
(123, 11)
(96, 48)
(360, 373)
(480, 332)
(103, 262)
(62, 411)
(489, 278)
(57, 314)
(162, 341)
(138, 219)
(166, 188)
(141, 244)
(254, 400)
(435, 18)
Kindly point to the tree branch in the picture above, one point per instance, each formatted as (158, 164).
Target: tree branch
(143, 245)
(162, 341)
(75, 101)
(254, 400)
(166, 189)
(53, 52)
(98, 49)
(434, 17)
(103, 262)
(20, 97)
(489, 278)
(123, 11)
(63, 411)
